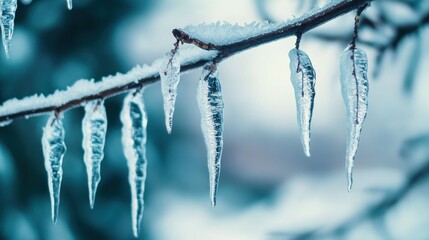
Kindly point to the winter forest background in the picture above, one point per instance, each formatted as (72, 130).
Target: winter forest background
(268, 188)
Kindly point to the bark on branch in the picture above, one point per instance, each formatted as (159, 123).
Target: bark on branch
(309, 22)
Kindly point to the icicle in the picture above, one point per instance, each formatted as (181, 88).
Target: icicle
(53, 152)
(94, 126)
(210, 102)
(354, 88)
(134, 122)
(69, 4)
(170, 77)
(26, 2)
(8, 8)
(303, 78)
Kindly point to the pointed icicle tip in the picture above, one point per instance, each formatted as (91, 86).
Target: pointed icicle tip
(69, 4)
(169, 73)
(303, 78)
(210, 102)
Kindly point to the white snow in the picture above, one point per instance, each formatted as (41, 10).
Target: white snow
(82, 88)
(224, 33)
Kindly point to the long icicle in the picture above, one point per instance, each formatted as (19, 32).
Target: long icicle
(94, 127)
(210, 102)
(303, 78)
(134, 123)
(54, 149)
(354, 85)
(8, 9)
(69, 4)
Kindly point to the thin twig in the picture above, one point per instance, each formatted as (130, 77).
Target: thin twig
(312, 21)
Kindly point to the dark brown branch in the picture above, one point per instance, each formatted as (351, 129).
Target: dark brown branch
(310, 22)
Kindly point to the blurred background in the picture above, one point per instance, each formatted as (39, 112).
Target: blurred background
(268, 188)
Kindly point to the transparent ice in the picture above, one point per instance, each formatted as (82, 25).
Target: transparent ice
(210, 102)
(354, 88)
(94, 126)
(53, 152)
(303, 78)
(134, 122)
(8, 9)
(170, 77)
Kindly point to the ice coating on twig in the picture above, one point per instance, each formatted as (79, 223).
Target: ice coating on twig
(210, 102)
(94, 127)
(8, 9)
(303, 78)
(354, 88)
(53, 152)
(69, 4)
(170, 77)
(134, 122)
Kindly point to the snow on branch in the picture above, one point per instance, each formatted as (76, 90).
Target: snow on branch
(222, 39)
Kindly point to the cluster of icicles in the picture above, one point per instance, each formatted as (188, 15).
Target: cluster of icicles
(354, 88)
(134, 123)
(7, 14)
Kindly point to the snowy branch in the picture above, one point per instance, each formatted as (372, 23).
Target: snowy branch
(236, 40)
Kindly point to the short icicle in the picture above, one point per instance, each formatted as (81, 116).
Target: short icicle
(94, 127)
(53, 152)
(303, 78)
(134, 122)
(170, 77)
(210, 102)
(8, 9)
(354, 88)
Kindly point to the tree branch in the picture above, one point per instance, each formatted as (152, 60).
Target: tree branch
(61, 101)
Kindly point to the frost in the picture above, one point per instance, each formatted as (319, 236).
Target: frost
(170, 77)
(303, 78)
(210, 102)
(53, 152)
(94, 126)
(354, 88)
(134, 122)
(69, 4)
(8, 9)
